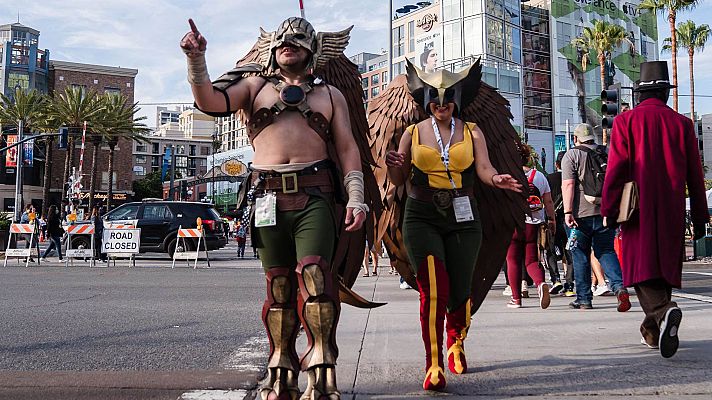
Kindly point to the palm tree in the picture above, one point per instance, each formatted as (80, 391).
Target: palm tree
(603, 38)
(693, 38)
(118, 120)
(30, 108)
(672, 7)
(72, 108)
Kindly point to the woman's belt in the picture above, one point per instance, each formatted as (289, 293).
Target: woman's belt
(442, 198)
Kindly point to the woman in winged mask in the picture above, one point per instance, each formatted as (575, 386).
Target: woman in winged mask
(437, 159)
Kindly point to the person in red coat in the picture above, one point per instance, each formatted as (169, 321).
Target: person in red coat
(656, 148)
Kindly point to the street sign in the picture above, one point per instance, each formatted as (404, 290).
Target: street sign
(121, 241)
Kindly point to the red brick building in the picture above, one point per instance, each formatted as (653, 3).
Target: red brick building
(101, 79)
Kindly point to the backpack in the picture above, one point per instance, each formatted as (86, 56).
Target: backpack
(534, 199)
(594, 173)
(242, 232)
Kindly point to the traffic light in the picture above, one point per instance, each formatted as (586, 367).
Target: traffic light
(611, 105)
(63, 138)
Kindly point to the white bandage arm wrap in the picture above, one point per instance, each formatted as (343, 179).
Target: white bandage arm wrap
(197, 69)
(353, 182)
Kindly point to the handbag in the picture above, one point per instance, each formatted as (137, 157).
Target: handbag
(629, 202)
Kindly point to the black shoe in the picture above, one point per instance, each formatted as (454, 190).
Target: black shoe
(669, 341)
(556, 288)
(575, 305)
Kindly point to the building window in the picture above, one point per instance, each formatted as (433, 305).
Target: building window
(509, 79)
(398, 42)
(140, 159)
(474, 42)
(192, 150)
(537, 119)
(511, 11)
(451, 10)
(155, 148)
(374, 92)
(495, 38)
(534, 42)
(472, 7)
(411, 36)
(489, 75)
(204, 150)
(384, 76)
(364, 83)
(156, 161)
(513, 45)
(537, 80)
(140, 148)
(365, 94)
(374, 80)
(495, 8)
(535, 19)
(111, 90)
(452, 45)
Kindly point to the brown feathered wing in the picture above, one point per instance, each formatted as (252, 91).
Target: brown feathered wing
(389, 115)
(341, 73)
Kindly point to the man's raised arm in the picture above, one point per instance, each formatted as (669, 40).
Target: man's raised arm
(206, 97)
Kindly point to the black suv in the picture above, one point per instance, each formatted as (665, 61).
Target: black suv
(159, 221)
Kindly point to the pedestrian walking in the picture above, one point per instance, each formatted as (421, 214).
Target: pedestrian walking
(557, 250)
(656, 149)
(441, 225)
(303, 140)
(241, 238)
(55, 231)
(524, 247)
(583, 172)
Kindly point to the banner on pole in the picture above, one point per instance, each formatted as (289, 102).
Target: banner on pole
(11, 155)
(28, 152)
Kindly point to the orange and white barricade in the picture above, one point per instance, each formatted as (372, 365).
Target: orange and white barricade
(121, 240)
(81, 251)
(22, 229)
(184, 243)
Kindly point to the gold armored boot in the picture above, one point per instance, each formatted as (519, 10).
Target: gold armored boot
(279, 315)
(319, 310)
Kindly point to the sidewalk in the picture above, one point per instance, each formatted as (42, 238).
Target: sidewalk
(556, 352)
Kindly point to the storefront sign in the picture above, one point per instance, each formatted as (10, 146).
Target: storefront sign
(103, 196)
(427, 22)
(233, 168)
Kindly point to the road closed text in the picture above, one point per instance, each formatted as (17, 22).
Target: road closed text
(121, 241)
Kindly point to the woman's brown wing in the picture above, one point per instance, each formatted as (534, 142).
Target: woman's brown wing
(389, 115)
(341, 73)
(500, 210)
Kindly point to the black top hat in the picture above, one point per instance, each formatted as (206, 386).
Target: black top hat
(654, 75)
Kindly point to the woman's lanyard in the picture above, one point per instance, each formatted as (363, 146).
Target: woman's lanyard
(445, 150)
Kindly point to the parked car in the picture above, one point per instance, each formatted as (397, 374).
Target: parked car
(159, 221)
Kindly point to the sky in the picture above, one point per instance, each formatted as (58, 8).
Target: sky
(144, 34)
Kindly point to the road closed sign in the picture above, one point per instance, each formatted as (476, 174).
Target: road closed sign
(121, 241)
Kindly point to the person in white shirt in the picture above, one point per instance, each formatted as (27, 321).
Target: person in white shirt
(523, 250)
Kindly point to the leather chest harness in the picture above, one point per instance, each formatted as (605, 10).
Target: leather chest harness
(291, 98)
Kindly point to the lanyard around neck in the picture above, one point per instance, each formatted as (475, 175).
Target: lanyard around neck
(444, 149)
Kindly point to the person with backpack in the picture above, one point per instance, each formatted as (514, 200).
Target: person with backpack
(557, 250)
(583, 173)
(524, 247)
(241, 240)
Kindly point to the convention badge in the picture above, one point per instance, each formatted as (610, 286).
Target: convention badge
(463, 209)
(266, 210)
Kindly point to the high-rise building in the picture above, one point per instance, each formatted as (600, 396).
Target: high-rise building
(527, 53)
(23, 66)
(165, 115)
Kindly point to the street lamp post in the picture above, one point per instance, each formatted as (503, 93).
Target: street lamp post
(18, 172)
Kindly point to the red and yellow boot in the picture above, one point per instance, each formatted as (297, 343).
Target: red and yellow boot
(457, 325)
(433, 284)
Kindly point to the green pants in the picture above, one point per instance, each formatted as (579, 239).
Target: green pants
(427, 231)
(307, 232)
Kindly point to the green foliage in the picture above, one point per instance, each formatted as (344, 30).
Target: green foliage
(5, 221)
(689, 36)
(29, 107)
(602, 38)
(117, 119)
(149, 186)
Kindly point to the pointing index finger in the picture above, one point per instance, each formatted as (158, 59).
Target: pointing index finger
(192, 26)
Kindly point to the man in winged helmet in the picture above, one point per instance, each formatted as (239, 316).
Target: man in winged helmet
(301, 132)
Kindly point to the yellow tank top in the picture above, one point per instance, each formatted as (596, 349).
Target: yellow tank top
(427, 160)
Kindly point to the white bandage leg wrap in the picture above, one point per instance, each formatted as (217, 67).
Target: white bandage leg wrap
(353, 181)
(198, 70)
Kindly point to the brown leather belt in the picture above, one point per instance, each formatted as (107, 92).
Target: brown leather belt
(293, 182)
(442, 198)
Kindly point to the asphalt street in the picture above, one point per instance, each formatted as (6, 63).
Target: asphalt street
(152, 332)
